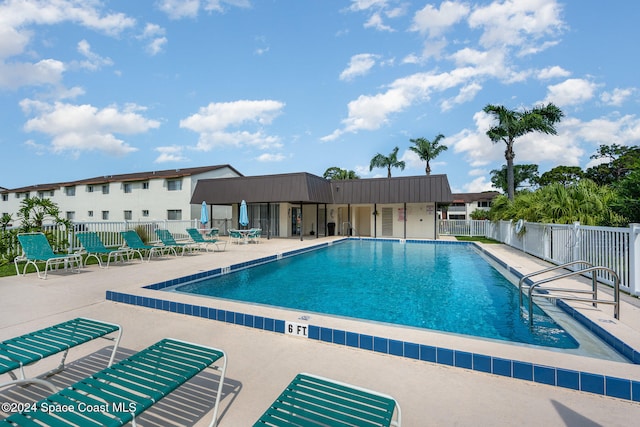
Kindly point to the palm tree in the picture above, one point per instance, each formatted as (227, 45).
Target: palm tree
(391, 161)
(428, 150)
(336, 173)
(513, 124)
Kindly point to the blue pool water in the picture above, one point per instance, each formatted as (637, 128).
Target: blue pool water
(428, 285)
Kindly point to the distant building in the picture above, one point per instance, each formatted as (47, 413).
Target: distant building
(465, 203)
(142, 196)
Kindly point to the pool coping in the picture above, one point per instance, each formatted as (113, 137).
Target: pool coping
(612, 386)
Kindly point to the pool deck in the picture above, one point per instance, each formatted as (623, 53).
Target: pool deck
(262, 363)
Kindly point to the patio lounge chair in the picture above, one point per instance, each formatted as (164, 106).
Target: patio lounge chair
(36, 248)
(94, 247)
(128, 388)
(137, 246)
(18, 352)
(313, 400)
(169, 241)
(205, 243)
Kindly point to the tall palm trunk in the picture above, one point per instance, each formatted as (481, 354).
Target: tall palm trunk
(509, 155)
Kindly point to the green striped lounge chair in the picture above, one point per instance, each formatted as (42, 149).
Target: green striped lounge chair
(126, 389)
(311, 400)
(18, 352)
(94, 247)
(169, 241)
(136, 245)
(205, 243)
(36, 249)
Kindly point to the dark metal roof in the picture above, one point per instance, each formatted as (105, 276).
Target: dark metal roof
(127, 177)
(410, 189)
(291, 187)
(307, 188)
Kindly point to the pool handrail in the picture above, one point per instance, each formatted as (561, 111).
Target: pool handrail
(546, 270)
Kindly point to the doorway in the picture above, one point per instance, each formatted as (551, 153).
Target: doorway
(296, 221)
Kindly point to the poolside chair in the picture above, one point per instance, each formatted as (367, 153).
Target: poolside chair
(214, 232)
(169, 241)
(254, 235)
(137, 246)
(94, 247)
(236, 236)
(36, 248)
(18, 352)
(312, 400)
(205, 243)
(128, 388)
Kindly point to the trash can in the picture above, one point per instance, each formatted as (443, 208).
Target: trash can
(331, 228)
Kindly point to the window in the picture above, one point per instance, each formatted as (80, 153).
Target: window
(127, 187)
(174, 184)
(105, 189)
(145, 212)
(22, 195)
(145, 185)
(89, 188)
(485, 204)
(175, 214)
(90, 214)
(127, 215)
(43, 194)
(71, 215)
(5, 197)
(70, 191)
(105, 215)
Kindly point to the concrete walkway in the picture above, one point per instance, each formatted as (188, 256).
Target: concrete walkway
(261, 363)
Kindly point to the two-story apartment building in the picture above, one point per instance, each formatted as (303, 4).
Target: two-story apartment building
(465, 203)
(155, 195)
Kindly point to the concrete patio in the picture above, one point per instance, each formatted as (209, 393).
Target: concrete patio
(261, 363)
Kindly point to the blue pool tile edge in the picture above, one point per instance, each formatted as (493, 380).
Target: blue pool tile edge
(620, 388)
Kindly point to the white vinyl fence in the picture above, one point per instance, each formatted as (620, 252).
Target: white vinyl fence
(612, 247)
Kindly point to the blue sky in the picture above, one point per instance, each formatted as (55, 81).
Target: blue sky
(91, 87)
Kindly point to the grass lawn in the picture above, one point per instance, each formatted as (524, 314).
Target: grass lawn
(476, 239)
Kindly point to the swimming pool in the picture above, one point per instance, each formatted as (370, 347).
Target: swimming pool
(443, 287)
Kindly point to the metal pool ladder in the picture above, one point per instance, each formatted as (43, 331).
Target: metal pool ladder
(594, 287)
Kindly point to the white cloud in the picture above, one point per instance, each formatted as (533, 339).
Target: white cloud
(214, 123)
(517, 23)
(16, 20)
(178, 9)
(359, 65)
(375, 21)
(93, 60)
(437, 21)
(466, 94)
(478, 185)
(18, 74)
(171, 153)
(570, 92)
(154, 36)
(617, 97)
(78, 128)
(552, 72)
(267, 157)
